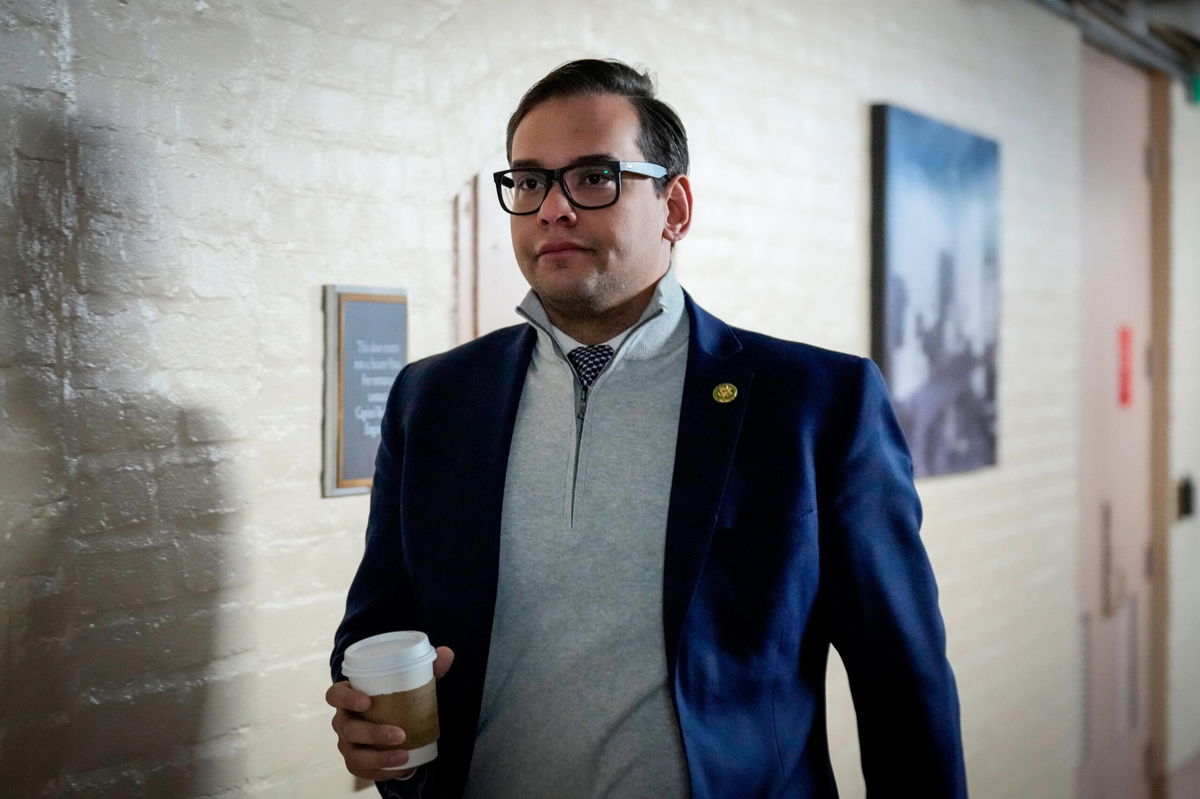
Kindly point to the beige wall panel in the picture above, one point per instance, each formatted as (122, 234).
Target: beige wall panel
(1184, 631)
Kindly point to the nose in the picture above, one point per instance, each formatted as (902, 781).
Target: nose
(556, 207)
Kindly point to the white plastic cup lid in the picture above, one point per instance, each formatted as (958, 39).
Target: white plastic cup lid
(388, 652)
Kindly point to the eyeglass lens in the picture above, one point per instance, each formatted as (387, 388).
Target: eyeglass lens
(587, 185)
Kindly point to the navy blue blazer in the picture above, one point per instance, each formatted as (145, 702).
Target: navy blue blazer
(793, 525)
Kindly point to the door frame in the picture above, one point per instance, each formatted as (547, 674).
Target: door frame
(1158, 164)
(1158, 167)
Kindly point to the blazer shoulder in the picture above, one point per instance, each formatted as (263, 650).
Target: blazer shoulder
(815, 373)
(806, 362)
(458, 362)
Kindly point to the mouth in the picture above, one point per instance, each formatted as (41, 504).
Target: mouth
(557, 247)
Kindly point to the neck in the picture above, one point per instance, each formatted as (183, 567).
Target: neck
(593, 328)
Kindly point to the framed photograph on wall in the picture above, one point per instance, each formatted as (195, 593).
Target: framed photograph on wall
(936, 284)
(366, 345)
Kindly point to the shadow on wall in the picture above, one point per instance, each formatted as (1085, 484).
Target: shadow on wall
(115, 512)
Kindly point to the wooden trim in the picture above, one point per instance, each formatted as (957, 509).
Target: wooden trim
(1159, 167)
(338, 481)
(457, 212)
(466, 262)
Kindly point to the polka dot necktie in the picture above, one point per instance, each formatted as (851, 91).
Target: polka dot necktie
(589, 362)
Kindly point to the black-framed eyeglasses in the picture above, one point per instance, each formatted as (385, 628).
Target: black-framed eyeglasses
(596, 184)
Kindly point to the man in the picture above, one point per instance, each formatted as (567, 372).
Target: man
(636, 530)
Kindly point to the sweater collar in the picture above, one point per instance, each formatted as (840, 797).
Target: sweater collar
(660, 329)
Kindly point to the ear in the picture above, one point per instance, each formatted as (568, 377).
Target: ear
(679, 208)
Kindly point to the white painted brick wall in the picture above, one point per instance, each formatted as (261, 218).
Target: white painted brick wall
(177, 180)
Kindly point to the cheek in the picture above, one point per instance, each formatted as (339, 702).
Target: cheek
(519, 233)
(643, 230)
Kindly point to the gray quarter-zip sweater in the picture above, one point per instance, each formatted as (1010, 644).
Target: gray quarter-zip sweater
(576, 699)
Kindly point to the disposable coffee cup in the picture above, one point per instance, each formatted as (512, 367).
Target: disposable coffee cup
(396, 669)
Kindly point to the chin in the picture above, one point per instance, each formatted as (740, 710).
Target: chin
(575, 299)
(568, 281)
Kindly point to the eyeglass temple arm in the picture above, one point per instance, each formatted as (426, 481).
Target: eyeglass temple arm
(642, 168)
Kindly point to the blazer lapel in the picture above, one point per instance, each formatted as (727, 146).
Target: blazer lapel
(708, 433)
(493, 397)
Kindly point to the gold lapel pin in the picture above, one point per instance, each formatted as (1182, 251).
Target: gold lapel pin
(725, 392)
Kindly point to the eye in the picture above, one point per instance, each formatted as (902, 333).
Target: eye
(528, 181)
(597, 176)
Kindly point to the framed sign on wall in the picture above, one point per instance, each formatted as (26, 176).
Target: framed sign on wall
(366, 345)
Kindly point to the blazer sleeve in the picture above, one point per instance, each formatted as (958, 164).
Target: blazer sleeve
(882, 610)
(381, 598)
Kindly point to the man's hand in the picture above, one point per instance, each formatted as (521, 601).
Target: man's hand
(358, 738)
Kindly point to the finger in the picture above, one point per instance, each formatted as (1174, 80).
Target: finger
(373, 764)
(445, 658)
(366, 733)
(341, 695)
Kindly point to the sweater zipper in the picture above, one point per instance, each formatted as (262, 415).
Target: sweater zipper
(580, 415)
(581, 412)
(581, 409)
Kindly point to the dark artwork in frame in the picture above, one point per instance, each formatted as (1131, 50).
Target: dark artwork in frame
(936, 284)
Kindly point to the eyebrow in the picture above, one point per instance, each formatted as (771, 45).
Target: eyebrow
(530, 163)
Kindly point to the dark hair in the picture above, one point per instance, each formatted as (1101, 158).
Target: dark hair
(661, 138)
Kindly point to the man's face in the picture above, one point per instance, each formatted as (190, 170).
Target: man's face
(582, 262)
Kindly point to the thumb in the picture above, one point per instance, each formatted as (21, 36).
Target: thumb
(445, 657)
